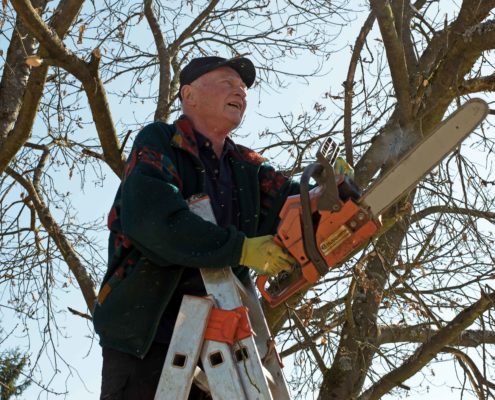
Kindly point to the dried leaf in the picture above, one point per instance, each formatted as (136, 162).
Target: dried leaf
(425, 82)
(82, 28)
(406, 207)
(33, 61)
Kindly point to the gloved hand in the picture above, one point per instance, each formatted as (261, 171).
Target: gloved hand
(264, 256)
(341, 167)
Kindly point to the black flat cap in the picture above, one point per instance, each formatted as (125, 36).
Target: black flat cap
(201, 65)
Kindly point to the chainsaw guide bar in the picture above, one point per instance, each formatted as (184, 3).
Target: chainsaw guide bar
(425, 156)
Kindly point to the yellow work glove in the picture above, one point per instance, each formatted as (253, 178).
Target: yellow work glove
(264, 256)
(341, 167)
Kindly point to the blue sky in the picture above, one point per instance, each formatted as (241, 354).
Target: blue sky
(76, 342)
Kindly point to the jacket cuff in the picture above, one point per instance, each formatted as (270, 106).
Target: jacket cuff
(237, 251)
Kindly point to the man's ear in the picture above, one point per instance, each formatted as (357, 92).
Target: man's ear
(187, 93)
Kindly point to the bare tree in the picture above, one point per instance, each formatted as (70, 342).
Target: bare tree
(419, 292)
(435, 258)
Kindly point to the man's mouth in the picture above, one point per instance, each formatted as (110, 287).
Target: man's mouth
(236, 105)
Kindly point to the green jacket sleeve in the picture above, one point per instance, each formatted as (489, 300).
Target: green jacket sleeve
(155, 217)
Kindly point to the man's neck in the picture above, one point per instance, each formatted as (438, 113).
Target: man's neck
(214, 133)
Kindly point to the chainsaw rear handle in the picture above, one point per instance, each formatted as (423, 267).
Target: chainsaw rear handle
(284, 295)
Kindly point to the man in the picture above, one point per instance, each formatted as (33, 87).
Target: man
(157, 245)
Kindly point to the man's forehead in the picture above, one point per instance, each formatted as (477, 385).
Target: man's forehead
(224, 72)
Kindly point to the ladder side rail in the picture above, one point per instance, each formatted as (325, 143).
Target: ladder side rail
(184, 350)
(224, 381)
(264, 340)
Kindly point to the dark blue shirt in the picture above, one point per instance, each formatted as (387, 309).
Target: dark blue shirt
(220, 187)
(219, 182)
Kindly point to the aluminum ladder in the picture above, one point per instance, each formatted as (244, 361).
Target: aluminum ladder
(250, 369)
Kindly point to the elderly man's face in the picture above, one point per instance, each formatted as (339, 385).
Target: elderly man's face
(220, 96)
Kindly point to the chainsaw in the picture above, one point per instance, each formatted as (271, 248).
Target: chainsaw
(324, 226)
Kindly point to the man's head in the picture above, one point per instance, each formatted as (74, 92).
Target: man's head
(202, 65)
(213, 91)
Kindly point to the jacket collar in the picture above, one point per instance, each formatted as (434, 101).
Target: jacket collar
(184, 137)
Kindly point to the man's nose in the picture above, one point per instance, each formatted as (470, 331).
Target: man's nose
(241, 91)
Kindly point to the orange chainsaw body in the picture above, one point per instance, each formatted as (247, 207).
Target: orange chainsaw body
(338, 234)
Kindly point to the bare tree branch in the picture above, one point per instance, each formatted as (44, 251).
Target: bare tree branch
(87, 73)
(80, 314)
(186, 33)
(396, 59)
(423, 333)
(427, 351)
(164, 59)
(15, 73)
(477, 85)
(70, 256)
(299, 324)
(349, 85)
(467, 362)
(451, 210)
(63, 17)
(403, 13)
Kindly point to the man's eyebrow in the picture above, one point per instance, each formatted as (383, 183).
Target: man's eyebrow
(234, 78)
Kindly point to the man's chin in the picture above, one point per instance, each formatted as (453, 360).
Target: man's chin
(235, 122)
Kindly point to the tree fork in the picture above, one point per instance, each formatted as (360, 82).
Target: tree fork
(86, 73)
(63, 18)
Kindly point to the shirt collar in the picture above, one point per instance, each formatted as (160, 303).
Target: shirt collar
(203, 142)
